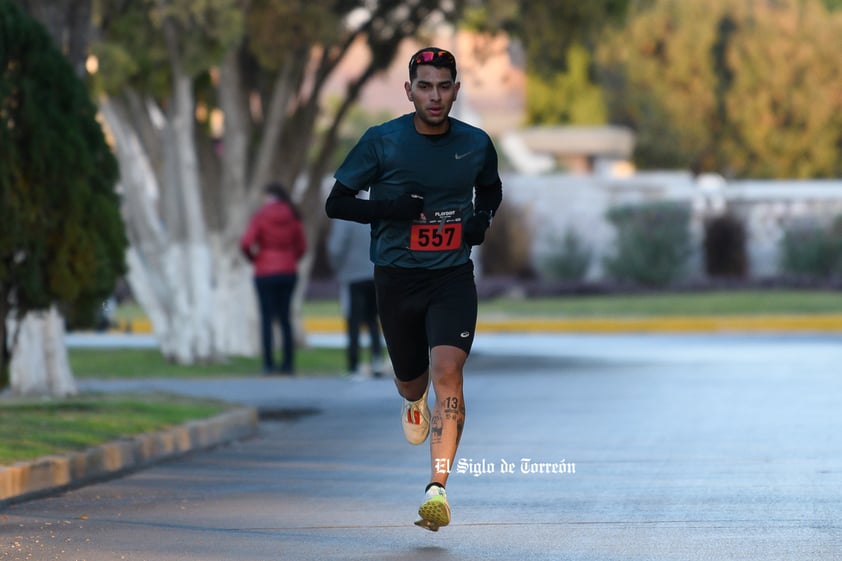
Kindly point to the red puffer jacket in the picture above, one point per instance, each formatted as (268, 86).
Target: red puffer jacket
(274, 240)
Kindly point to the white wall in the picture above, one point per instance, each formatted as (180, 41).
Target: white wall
(549, 205)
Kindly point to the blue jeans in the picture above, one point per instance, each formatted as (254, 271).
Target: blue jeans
(274, 294)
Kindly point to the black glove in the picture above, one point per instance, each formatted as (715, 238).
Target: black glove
(473, 232)
(405, 207)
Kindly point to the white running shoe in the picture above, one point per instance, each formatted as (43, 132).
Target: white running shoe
(434, 512)
(415, 418)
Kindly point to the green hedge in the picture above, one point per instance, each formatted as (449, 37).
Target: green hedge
(812, 251)
(653, 243)
(570, 260)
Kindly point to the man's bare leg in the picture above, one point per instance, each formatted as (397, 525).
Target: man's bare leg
(448, 418)
(446, 424)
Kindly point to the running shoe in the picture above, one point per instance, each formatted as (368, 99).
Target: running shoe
(434, 512)
(415, 418)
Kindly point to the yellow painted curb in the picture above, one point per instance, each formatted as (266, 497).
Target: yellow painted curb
(677, 324)
(663, 324)
(52, 473)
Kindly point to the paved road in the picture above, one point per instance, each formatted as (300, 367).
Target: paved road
(685, 448)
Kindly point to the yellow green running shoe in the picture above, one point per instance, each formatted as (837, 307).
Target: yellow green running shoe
(434, 512)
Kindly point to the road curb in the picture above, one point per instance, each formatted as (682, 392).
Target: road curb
(780, 323)
(820, 323)
(25, 480)
(777, 323)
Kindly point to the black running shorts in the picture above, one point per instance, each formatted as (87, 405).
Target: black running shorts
(424, 308)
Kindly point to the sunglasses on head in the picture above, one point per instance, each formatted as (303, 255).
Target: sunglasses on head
(430, 56)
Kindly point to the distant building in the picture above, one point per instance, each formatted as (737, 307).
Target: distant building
(605, 150)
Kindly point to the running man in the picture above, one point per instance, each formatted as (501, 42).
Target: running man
(434, 188)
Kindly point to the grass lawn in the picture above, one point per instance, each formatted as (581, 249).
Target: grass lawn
(31, 429)
(149, 363)
(732, 302)
(34, 428)
(755, 302)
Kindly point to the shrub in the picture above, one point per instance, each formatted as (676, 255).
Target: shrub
(812, 251)
(571, 261)
(653, 243)
(506, 250)
(63, 240)
(725, 247)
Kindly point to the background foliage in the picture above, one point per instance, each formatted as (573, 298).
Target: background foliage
(747, 88)
(653, 243)
(558, 39)
(63, 239)
(812, 251)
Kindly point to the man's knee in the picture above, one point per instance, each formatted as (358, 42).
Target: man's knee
(447, 369)
(446, 366)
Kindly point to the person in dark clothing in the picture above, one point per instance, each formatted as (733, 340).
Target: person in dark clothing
(347, 251)
(274, 242)
(434, 188)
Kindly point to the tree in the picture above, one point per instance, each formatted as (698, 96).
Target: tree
(569, 97)
(833, 4)
(559, 38)
(745, 89)
(173, 70)
(653, 68)
(63, 241)
(69, 24)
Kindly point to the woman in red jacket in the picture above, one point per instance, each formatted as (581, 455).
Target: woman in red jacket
(274, 242)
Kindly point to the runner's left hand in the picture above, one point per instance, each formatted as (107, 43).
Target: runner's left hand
(474, 229)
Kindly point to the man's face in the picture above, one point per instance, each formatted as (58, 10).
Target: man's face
(432, 92)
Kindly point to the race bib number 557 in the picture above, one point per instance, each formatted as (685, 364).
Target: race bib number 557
(440, 232)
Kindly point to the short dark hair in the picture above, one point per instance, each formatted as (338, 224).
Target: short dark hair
(279, 191)
(432, 56)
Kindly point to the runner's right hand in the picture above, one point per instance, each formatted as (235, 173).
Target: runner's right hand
(405, 207)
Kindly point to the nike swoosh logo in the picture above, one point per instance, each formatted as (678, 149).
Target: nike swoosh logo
(458, 156)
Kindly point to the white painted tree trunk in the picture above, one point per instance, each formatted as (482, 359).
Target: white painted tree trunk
(185, 268)
(189, 336)
(235, 312)
(39, 360)
(191, 253)
(195, 288)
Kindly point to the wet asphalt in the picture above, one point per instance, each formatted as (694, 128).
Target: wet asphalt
(576, 447)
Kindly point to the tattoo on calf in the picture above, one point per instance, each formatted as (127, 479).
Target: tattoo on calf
(454, 411)
(436, 428)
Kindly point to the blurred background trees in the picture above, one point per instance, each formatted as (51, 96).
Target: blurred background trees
(559, 39)
(746, 88)
(206, 101)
